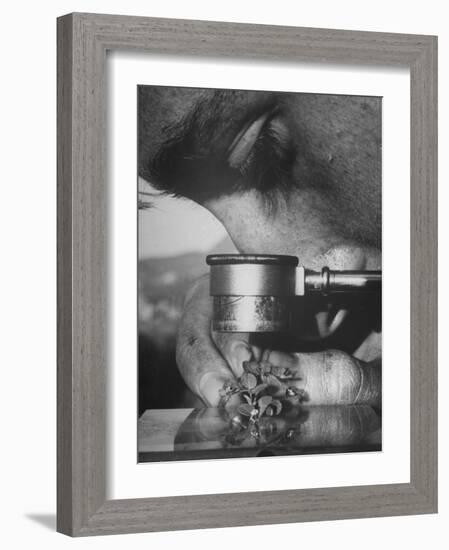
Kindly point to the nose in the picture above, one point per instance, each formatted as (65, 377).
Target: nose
(326, 317)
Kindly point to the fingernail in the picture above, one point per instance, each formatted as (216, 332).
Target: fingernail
(210, 385)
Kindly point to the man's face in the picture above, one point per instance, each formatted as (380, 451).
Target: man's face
(285, 173)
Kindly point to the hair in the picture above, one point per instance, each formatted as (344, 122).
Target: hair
(190, 164)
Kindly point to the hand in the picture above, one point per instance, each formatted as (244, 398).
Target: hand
(209, 360)
(331, 377)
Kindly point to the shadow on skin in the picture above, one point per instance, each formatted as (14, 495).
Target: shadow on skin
(46, 520)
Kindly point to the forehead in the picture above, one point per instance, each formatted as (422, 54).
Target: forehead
(163, 107)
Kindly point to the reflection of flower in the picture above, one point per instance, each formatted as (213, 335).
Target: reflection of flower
(281, 431)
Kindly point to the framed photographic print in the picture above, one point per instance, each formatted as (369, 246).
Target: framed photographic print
(224, 171)
(246, 274)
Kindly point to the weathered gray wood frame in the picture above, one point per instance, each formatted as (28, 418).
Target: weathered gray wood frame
(83, 40)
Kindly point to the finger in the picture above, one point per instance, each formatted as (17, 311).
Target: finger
(201, 365)
(257, 352)
(234, 348)
(331, 377)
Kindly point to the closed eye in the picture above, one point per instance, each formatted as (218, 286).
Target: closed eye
(259, 158)
(263, 153)
(245, 140)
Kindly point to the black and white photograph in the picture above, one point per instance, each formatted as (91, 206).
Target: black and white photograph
(259, 273)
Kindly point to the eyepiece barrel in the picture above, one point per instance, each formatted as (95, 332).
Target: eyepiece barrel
(329, 281)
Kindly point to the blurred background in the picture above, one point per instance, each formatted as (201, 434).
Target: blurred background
(175, 235)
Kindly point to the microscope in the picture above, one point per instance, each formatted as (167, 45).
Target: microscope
(255, 293)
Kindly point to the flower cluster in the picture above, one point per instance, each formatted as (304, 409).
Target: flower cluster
(262, 385)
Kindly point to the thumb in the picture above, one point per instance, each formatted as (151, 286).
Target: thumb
(235, 349)
(200, 362)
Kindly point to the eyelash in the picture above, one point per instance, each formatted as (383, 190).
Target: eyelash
(269, 163)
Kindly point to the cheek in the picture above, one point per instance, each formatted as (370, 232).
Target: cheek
(291, 227)
(294, 228)
(246, 221)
